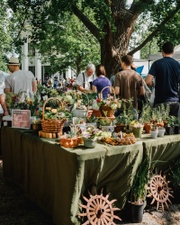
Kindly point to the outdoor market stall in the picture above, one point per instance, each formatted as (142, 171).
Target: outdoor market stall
(55, 177)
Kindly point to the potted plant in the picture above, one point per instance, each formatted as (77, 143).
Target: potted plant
(161, 131)
(138, 192)
(154, 130)
(137, 128)
(90, 136)
(128, 114)
(171, 120)
(92, 120)
(109, 105)
(146, 117)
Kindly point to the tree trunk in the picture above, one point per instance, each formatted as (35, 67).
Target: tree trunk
(114, 45)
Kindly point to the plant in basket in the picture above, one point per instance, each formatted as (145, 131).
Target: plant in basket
(53, 116)
(109, 105)
(105, 121)
(82, 104)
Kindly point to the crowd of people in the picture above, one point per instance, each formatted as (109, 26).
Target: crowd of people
(163, 76)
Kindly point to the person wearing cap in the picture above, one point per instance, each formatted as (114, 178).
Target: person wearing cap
(165, 72)
(85, 79)
(19, 80)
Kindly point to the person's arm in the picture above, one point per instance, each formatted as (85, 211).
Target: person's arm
(116, 85)
(116, 90)
(79, 82)
(149, 80)
(34, 86)
(3, 104)
(80, 88)
(7, 88)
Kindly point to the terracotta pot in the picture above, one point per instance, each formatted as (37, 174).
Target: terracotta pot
(147, 127)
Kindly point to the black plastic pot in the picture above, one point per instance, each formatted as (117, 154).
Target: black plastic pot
(169, 130)
(137, 213)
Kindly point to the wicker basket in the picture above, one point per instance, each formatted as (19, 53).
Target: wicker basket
(52, 125)
(106, 110)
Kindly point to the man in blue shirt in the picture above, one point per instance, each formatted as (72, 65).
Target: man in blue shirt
(166, 72)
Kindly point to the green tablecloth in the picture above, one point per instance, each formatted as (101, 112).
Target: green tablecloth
(55, 177)
(162, 150)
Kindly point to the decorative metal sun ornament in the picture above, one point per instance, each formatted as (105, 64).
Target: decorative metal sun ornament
(99, 210)
(159, 191)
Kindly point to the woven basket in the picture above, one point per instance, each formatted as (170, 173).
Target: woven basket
(52, 125)
(106, 110)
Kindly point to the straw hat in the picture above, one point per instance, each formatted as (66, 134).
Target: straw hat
(13, 61)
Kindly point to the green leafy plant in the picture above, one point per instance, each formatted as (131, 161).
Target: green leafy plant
(171, 121)
(146, 114)
(91, 119)
(128, 115)
(139, 187)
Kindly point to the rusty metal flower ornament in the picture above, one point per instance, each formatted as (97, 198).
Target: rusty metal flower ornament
(98, 210)
(159, 191)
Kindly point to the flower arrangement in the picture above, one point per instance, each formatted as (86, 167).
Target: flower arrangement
(111, 102)
(91, 133)
(22, 100)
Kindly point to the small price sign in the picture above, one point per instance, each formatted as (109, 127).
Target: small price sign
(21, 118)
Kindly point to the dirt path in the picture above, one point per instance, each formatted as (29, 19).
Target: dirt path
(16, 209)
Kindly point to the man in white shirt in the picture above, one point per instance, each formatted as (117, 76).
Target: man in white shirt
(19, 80)
(85, 79)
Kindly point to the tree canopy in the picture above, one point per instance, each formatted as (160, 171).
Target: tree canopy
(118, 26)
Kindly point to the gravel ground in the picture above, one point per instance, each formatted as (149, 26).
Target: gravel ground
(17, 209)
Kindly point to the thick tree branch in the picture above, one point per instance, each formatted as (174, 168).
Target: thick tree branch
(91, 27)
(155, 32)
